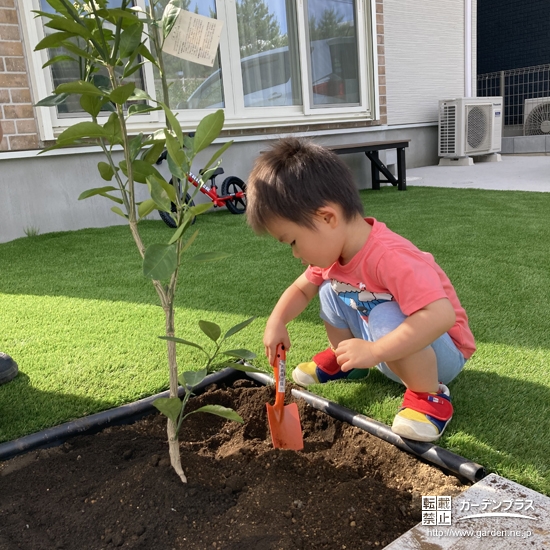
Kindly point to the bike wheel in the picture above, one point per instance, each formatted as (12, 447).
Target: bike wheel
(168, 220)
(233, 184)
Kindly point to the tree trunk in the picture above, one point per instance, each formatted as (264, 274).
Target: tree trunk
(173, 439)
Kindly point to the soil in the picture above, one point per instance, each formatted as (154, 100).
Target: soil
(116, 489)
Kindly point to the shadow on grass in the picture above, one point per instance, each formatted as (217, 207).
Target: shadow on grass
(25, 410)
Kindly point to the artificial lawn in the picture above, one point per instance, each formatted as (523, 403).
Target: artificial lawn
(82, 322)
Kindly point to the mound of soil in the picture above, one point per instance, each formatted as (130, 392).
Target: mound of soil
(116, 489)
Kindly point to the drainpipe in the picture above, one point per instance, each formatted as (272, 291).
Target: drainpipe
(467, 48)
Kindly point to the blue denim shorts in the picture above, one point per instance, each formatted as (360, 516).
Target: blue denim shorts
(384, 318)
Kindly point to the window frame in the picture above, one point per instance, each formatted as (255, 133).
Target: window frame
(237, 116)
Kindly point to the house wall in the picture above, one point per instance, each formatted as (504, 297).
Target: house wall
(414, 70)
(424, 44)
(42, 191)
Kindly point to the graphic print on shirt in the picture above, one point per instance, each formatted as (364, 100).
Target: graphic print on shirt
(358, 297)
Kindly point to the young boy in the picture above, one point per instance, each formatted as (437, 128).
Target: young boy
(384, 303)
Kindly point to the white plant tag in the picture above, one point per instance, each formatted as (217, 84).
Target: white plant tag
(282, 376)
(194, 38)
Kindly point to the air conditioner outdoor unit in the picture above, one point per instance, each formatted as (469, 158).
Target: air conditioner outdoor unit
(536, 116)
(470, 126)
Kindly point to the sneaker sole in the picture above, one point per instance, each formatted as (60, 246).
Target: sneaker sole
(303, 379)
(404, 429)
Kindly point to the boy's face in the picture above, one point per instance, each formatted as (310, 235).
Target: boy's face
(319, 246)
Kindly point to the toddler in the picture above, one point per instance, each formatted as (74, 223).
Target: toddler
(384, 302)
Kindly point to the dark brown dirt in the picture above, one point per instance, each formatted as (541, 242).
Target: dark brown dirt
(116, 489)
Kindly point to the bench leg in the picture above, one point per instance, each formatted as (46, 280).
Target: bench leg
(401, 170)
(375, 172)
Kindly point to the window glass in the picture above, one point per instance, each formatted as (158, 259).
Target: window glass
(333, 52)
(68, 71)
(269, 52)
(192, 86)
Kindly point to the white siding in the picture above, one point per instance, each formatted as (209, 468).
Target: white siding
(424, 46)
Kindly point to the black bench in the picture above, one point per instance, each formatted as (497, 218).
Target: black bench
(371, 149)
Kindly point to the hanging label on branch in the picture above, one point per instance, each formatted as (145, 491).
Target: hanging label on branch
(194, 38)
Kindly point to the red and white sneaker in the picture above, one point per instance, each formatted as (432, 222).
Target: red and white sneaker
(424, 416)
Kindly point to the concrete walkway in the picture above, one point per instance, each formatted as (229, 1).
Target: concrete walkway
(519, 173)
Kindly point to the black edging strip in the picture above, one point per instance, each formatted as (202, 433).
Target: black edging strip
(427, 451)
(132, 412)
(125, 414)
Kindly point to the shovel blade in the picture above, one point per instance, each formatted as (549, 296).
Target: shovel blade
(286, 431)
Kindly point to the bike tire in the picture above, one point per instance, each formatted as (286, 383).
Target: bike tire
(233, 184)
(168, 220)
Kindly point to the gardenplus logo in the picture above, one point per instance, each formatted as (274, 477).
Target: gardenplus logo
(437, 510)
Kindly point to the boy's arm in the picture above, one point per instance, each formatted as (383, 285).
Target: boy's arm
(415, 333)
(291, 303)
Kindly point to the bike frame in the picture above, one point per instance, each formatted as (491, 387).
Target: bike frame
(212, 191)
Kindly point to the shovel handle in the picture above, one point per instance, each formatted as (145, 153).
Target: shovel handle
(279, 367)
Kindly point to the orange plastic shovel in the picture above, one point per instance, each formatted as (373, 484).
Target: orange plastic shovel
(284, 420)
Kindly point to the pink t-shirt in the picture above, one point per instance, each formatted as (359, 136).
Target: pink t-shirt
(389, 267)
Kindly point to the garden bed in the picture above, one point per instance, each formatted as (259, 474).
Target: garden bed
(346, 489)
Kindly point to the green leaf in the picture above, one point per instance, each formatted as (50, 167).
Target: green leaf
(243, 368)
(96, 191)
(67, 25)
(106, 171)
(192, 378)
(144, 52)
(174, 149)
(53, 40)
(121, 94)
(79, 87)
(178, 233)
(140, 109)
(218, 410)
(160, 261)
(169, 17)
(118, 211)
(190, 241)
(208, 130)
(151, 156)
(200, 208)
(141, 170)
(212, 330)
(217, 154)
(238, 328)
(169, 406)
(139, 95)
(158, 194)
(78, 51)
(210, 256)
(181, 341)
(135, 145)
(130, 39)
(179, 171)
(173, 122)
(92, 103)
(59, 59)
(82, 130)
(52, 100)
(240, 354)
(130, 70)
(146, 207)
(113, 129)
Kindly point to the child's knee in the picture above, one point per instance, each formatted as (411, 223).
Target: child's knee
(384, 318)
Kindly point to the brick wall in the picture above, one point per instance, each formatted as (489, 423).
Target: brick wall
(16, 112)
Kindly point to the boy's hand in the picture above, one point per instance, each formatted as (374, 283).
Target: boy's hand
(355, 354)
(274, 335)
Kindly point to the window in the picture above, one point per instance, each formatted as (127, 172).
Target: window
(279, 62)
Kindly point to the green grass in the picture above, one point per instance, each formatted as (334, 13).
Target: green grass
(82, 322)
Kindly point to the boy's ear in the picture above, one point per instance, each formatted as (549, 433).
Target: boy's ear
(328, 214)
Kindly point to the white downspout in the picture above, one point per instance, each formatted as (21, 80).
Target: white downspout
(467, 48)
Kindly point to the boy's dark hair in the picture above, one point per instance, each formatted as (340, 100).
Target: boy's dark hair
(293, 179)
